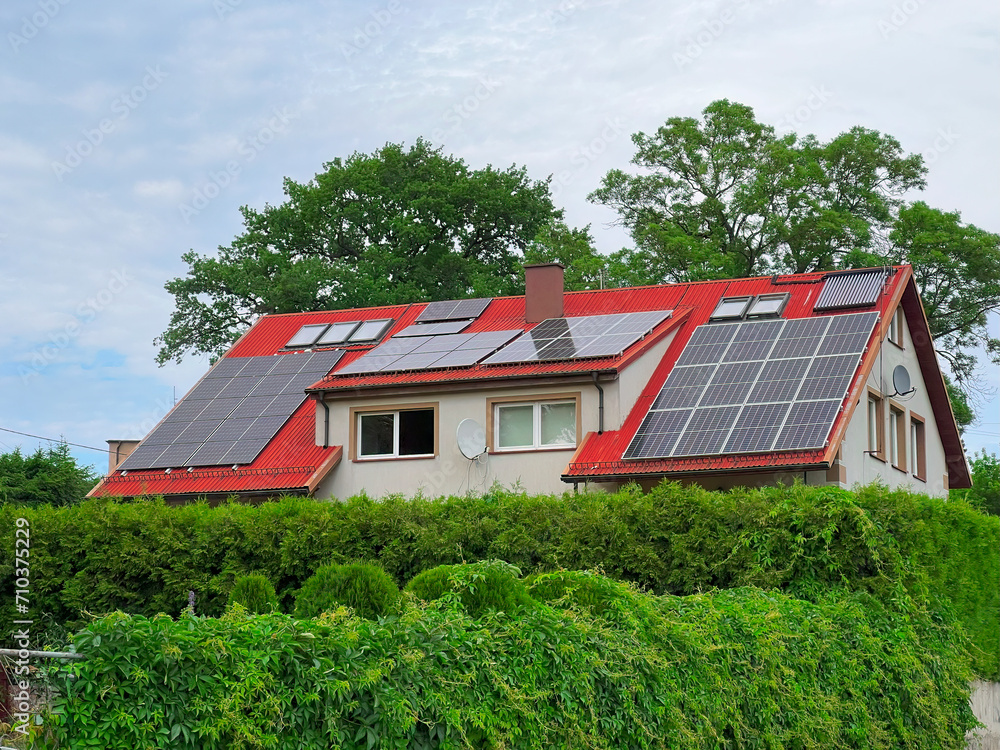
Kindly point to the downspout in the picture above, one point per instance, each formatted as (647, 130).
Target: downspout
(600, 404)
(326, 421)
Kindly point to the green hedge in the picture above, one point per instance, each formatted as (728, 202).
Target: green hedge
(144, 557)
(741, 668)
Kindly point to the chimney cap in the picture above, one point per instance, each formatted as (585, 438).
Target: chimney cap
(544, 265)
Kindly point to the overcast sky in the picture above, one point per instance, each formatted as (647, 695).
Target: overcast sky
(133, 132)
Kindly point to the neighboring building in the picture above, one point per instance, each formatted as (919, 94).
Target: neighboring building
(829, 378)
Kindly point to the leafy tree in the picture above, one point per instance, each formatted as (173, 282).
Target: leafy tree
(49, 476)
(727, 197)
(985, 492)
(395, 226)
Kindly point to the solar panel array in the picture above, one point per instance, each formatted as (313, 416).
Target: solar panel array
(234, 411)
(852, 289)
(424, 352)
(574, 338)
(751, 387)
(453, 309)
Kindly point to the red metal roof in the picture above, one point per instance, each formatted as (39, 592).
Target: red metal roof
(292, 461)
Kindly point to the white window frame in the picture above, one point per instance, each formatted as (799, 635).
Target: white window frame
(358, 414)
(536, 424)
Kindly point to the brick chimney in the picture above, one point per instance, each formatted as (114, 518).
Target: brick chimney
(118, 451)
(543, 291)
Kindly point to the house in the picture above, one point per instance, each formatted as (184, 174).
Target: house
(827, 378)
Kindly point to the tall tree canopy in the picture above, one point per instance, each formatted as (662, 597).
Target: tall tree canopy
(725, 197)
(50, 476)
(375, 229)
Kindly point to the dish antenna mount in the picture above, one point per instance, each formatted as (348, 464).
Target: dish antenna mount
(901, 381)
(471, 438)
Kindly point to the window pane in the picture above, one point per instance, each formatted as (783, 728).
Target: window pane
(558, 424)
(376, 434)
(416, 432)
(515, 426)
(893, 438)
(872, 425)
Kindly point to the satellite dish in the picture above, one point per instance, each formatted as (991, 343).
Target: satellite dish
(901, 380)
(471, 438)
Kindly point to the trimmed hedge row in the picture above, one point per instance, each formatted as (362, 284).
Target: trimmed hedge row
(601, 665)
(144, 557)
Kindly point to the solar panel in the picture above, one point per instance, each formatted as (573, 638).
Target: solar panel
(706, 431)
(734, 399)
(779, 380)
(306, 336)
(583, 336)
(235, 410)
(423, 352)
(453, 309)
(756, 428)
(658, 434)
(851, 289)
(808, 425)
(434, 329)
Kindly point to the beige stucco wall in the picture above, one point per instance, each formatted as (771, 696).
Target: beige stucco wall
(865, 469)
(450, 472)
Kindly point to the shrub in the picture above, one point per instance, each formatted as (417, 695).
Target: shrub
(364, 587)
(254, 592)
(143, 557)
(741, 668)
(482, 587)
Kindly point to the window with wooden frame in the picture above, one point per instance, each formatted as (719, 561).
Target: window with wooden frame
(897, 436)
(406, 431)
(896, 327)
(876, 428)
(918, 447)
(550, 422)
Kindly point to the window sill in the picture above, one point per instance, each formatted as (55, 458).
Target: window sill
(900, 469)
(509, 451)
(920, 479)
(876, 456)
(376, 459)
